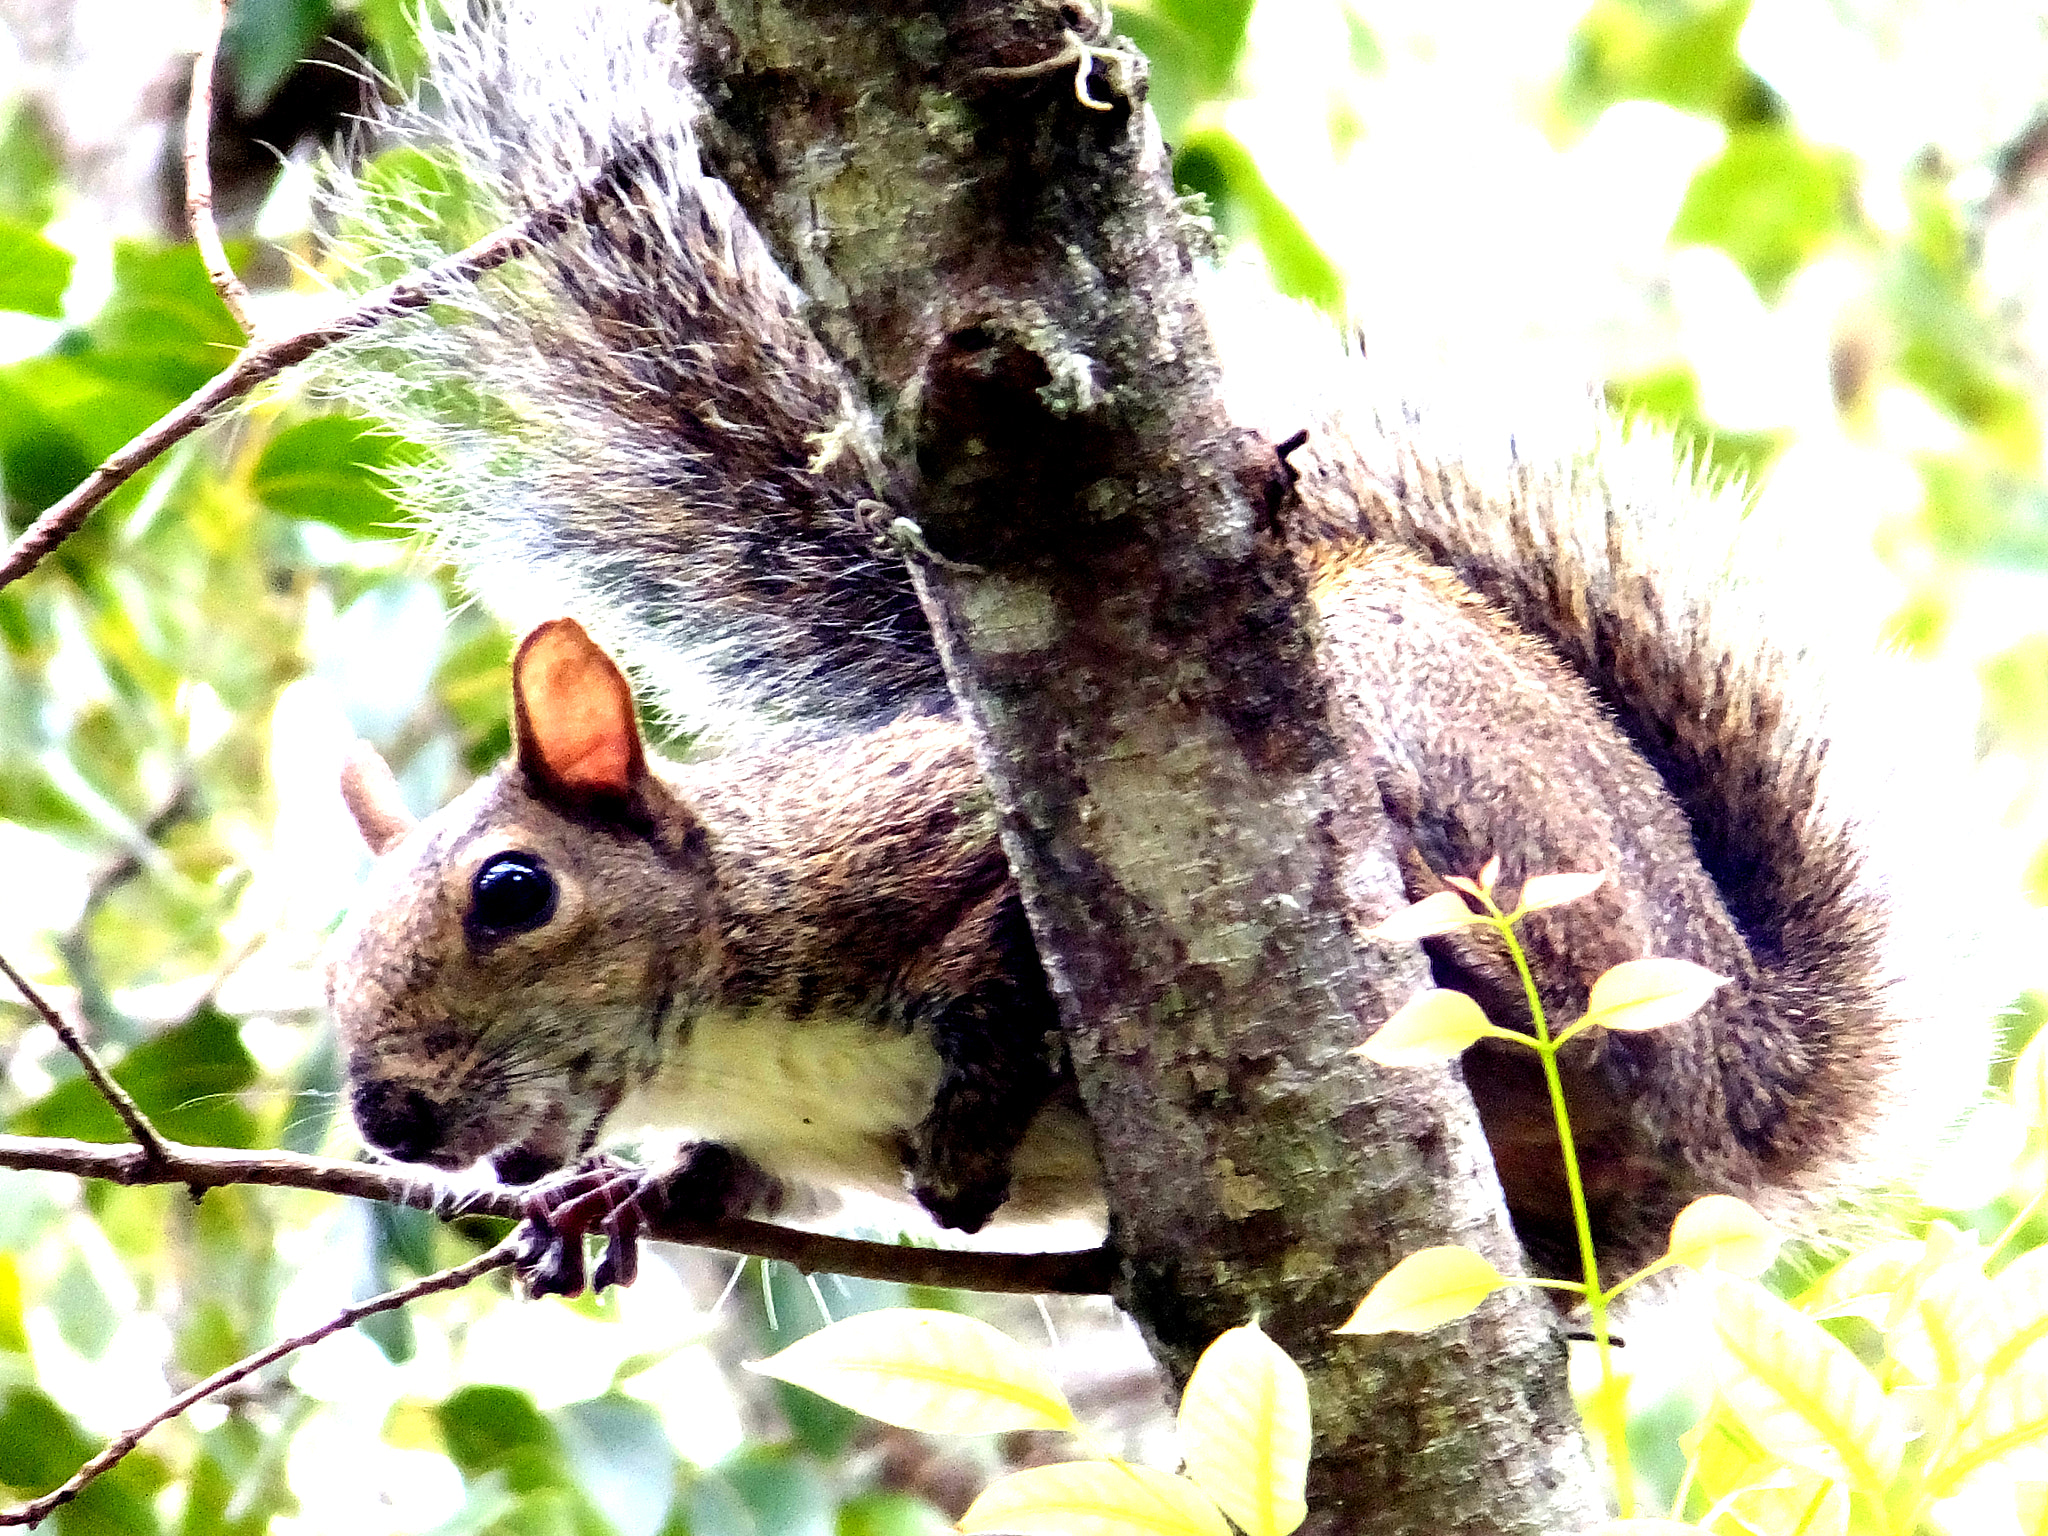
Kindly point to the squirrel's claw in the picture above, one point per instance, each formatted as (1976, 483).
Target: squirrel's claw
(548, 1263)
(601, 1194)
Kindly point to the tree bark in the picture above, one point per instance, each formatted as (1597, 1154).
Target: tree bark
(1006, 272)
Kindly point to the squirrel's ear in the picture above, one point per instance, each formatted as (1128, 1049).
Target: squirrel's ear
(372, 797)
(572, 715)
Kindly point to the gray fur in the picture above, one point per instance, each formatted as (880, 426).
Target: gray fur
(710, 523)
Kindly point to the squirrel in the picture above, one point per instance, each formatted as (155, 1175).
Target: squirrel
(811, 958)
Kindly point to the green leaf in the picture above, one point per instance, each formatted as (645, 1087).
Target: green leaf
(1244, 1429)
(210, 1341)
(31, 160)
(264, 41)
(237, 1484)
(1426, 1290)
(391, 26)
(1680, 52)
(335, 470)
(762, 1489)
(40, 1446)
(1771, 201)
(1980, 511)
(184, 1079)
(1222, 170)
(890, 1514)
(33, 272)
(85, 1316)
(59, 418)
(1194, 47)
(492, 1429)
(919, 1369)
(2030, 1082)
(165, 329)
(620, 1456)
(1094, 1498)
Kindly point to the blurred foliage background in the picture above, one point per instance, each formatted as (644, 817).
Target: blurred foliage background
(1813, 234)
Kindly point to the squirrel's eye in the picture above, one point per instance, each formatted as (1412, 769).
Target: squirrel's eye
(511, 893)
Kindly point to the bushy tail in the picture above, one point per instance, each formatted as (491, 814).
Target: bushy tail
(633, 424)
(1605, 543)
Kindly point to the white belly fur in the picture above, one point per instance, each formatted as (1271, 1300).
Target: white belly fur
(832, 1102)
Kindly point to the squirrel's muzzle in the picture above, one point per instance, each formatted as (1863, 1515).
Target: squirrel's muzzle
(397, 1120)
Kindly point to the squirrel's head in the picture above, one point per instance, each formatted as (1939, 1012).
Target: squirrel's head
(524, 957)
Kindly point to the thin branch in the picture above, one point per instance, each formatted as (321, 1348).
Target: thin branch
(154, 1150)
(261, 361)
(199, 176)
(118, 1447)
(1080, 1272)
(74, 946)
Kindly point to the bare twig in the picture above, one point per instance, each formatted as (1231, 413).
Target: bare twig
(199, 176)
(95, 1005)
(118, 1447)
(261, 361)
(1084, 1272)
(154, 1150)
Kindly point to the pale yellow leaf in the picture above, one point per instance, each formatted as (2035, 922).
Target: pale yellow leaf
(1434, 1025)
(1540, 891)
(1945, 1332)
(1723, 1233)
(1425, 1291)
(1648, 994)
(1093, 1498)
(935, 1371)
(1432, 915)
(2030, 1503)
(2030, 1081)
(1644, 1527)
(2010, 1418)
(1868, 1284)
(1489, 873)
(1783, 1501)
(1244, 1431)
(2018, 1306)
(1800, 1392)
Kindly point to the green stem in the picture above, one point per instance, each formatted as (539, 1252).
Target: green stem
(1612, 1415)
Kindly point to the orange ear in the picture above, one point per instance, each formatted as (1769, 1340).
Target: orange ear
(371, 794)
(573, 715)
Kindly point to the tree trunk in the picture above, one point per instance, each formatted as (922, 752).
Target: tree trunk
(1006, 272)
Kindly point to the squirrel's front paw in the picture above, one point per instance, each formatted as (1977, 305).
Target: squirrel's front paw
(708, 1183)
(602, 1193)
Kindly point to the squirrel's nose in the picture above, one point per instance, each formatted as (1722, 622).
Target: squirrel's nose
(396, 1119)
